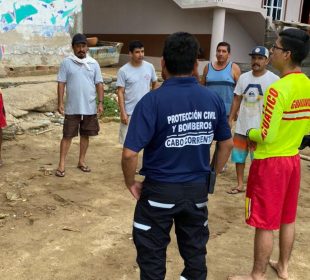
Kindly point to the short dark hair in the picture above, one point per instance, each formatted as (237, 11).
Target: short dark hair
(135, 45)
(297, 42)
(223, 44)
(180, 53)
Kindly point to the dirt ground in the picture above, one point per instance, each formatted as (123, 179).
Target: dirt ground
(79, 227)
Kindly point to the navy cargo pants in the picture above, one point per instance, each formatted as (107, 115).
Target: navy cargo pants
(159, 206)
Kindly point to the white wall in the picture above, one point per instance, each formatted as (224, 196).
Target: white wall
(240, 41)
(243, 5)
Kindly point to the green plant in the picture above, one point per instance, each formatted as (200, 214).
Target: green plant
(110, 107)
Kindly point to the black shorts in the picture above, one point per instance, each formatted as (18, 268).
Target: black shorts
(86, 125)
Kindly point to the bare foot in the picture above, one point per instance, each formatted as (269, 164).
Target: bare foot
(282, 274)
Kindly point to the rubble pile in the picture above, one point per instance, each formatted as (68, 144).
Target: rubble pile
(32, 106)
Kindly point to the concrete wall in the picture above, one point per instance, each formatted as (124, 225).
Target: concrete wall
(162, 17)
(147, 20)
(36, 32)
(143, 17)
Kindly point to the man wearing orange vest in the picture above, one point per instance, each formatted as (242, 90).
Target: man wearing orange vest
(274, 178)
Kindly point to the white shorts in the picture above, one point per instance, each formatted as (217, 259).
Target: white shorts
(123, 131)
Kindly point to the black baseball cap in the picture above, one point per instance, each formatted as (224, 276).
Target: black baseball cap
(79, 39)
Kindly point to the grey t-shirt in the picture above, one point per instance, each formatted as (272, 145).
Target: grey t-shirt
(136, 81)
(80, 86)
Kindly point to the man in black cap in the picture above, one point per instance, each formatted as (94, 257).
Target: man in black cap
(81, 76)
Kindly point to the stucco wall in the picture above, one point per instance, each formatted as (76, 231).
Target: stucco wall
(36, 32)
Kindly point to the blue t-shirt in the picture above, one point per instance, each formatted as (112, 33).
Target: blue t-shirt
(176, 124)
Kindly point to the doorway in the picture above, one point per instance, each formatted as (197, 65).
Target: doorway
(305, 15)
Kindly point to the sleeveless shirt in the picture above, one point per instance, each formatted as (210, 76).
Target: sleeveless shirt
(222, 82)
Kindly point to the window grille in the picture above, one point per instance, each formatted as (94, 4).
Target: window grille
(274, 8)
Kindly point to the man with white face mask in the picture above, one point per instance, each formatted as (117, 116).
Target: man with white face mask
(81, 76)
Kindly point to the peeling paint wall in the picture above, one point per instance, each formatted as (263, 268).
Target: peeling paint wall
(36, 32)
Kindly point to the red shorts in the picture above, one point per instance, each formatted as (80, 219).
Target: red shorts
(2, 113)
(272, 192)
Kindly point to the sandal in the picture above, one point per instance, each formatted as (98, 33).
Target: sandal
(60, 173)
(84, 168)
(235, 191)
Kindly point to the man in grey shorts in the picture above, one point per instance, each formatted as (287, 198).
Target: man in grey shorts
(134, 80)
(81, 76)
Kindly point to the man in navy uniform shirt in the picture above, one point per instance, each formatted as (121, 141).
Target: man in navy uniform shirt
(175, 125)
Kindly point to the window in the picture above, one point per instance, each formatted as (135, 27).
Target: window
(274, 8)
